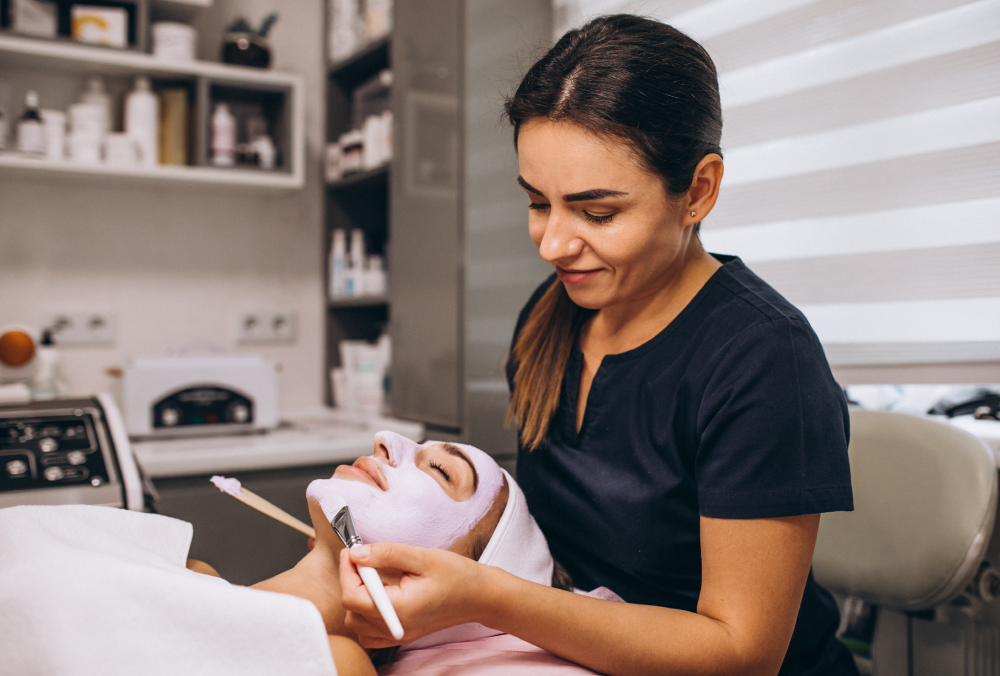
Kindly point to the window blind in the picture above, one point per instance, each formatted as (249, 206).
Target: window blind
(862, 144)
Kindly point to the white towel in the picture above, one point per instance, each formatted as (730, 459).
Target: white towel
(95, 590)
(518, 547)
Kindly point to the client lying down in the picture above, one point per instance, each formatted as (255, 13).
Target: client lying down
(93, 575)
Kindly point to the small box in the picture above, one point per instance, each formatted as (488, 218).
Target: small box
(106, 26)
(37, 18)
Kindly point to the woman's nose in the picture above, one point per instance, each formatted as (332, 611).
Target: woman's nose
(559, 240)
(382, 452)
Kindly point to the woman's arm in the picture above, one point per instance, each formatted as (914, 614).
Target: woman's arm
(753, 575)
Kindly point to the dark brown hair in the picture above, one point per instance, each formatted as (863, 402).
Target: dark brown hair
(631, 80)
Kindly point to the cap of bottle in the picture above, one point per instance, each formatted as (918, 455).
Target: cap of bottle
(142, 84)
(31, 99)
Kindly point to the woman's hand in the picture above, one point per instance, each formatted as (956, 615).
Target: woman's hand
(437, 589)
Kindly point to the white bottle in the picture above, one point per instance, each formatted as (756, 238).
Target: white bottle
(223, 136)
(356, 272)
(95, 94)
(45, 384)
(142, 121)
(338, 254)
(30, 132)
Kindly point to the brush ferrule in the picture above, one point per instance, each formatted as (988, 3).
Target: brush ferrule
(343, 526)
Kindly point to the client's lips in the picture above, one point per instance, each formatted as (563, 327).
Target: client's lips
(364, 469)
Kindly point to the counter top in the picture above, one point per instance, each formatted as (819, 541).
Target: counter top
(321, 439)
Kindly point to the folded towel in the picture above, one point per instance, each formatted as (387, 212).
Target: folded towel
(94, 590)
(518, 547)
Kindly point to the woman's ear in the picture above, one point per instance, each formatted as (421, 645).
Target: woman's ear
(474, 543)
(704, 190)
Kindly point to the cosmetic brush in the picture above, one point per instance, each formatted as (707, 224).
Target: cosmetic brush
(235, 489)
(343, 526)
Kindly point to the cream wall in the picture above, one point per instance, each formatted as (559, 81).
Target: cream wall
(175, 263)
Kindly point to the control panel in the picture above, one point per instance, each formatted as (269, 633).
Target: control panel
(66, 452)
(202, 406)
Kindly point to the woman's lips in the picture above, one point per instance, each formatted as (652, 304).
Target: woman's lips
(366, 470)
(576, 276)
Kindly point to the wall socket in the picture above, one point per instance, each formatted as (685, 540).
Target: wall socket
(82, 326)
(266, 326)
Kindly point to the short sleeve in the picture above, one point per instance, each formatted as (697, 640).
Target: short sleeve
(772, 428)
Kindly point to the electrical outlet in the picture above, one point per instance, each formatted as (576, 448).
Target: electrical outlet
(82, 326)
(266, 326)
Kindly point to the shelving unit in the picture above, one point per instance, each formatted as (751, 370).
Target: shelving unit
(53, 63)
(359, 200)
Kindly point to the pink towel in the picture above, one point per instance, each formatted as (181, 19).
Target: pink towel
(501, 655)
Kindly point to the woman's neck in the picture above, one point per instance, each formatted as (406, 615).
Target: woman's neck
(315, 578)
(634, 321)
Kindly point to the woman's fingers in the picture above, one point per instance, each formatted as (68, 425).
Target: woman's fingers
(390, 555)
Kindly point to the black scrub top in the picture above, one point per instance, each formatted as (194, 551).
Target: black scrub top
(730, 412)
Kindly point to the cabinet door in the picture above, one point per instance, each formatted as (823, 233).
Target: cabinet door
(425, 217)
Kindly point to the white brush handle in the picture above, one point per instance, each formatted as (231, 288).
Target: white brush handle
(381, 599)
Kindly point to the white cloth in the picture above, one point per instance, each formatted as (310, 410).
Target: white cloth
(95, 590)
(518, 547)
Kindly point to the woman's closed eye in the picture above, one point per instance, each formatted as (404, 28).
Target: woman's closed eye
(538, 206)
(600, 220)
(441, 469)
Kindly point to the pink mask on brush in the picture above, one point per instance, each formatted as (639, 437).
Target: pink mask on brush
(415, 510)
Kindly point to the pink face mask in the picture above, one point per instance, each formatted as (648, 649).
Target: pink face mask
(415, 510)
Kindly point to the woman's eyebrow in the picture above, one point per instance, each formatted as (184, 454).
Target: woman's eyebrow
(586, 195)
(455, 451)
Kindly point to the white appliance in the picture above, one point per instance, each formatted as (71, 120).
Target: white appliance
(199, 395)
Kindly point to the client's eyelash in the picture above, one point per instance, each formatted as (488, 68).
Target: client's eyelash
(537, 205)
(441, 469)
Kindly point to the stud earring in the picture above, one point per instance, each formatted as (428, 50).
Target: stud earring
(693, 213)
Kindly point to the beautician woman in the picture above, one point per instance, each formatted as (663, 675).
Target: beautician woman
(680, 430)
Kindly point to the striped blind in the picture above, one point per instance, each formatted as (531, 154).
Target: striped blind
(862, 143)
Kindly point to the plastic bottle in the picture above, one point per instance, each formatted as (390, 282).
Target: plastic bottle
(30, 132)
(45, 384)
(95, 94)
(223, 136)
(142, 121)
(356, 273)
(338, 254)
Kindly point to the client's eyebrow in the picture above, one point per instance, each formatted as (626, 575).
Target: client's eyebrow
(455, 451)
(586, 195)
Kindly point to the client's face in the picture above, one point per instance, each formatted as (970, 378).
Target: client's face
(428, 495)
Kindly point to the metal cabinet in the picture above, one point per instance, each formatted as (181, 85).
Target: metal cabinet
(462, 262)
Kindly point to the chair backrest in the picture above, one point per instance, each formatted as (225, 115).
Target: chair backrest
(925, 500)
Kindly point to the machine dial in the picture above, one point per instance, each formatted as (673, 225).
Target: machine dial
(17, 468)
(54, 473)
(76, 457)
(48, 444)
(170, 417)
(239, 413)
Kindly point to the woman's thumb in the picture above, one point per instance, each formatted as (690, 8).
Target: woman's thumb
(387, 555)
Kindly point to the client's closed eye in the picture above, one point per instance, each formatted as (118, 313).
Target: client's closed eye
(451, 468)
(442, 470)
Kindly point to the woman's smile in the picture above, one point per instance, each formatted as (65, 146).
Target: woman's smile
(576, 276)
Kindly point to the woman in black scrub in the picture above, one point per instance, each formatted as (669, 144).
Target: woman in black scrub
(680, 430)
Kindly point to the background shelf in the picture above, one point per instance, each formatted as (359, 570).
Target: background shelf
(370, 59)
(370, 178)
(358, 301)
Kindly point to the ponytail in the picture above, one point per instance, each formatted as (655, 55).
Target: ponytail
(539, 357)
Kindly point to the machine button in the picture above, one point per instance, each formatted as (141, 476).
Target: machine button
(239, 413)
(54, 473)
(96, 481)
(76, 457)
(48, 444)
(17, 468)
(169, 417)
